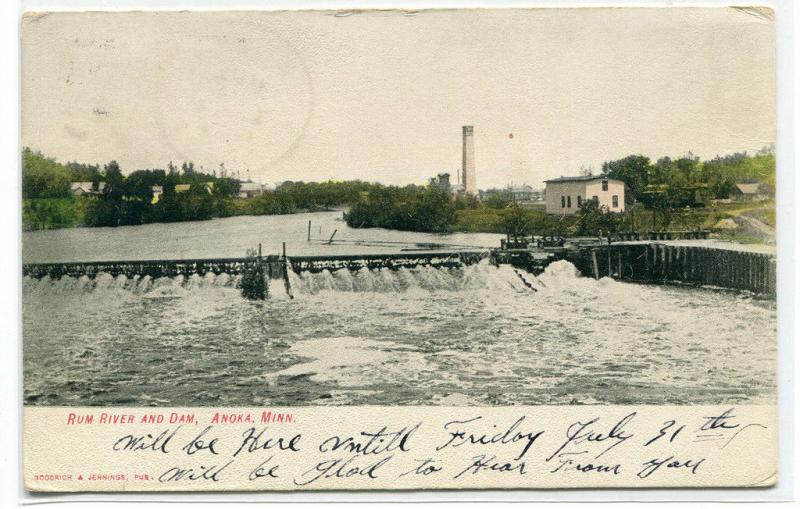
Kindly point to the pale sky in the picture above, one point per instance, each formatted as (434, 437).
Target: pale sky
(382, 95)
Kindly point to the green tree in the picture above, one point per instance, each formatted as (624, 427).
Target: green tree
(516, 222)
(43, 177)
(595, 220)
(634, 170)
(411, 208)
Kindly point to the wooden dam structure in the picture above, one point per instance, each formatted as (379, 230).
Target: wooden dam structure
(641, 261)
(656, 262)
(275, 265)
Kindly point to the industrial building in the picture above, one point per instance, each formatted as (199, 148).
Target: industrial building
(466, 177)
(565, 195)
(468, 160)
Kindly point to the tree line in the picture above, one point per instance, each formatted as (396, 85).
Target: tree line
(669, 189)
(187, 194)
(290, 197)
(689, 182)
(116, 199)
(666, 186)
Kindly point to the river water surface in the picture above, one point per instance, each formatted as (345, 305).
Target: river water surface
(472, 336)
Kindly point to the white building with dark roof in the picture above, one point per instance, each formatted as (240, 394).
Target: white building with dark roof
(565, 195)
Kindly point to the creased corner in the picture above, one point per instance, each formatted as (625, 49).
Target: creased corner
(764, 13)
(30, 16)
(767, 482)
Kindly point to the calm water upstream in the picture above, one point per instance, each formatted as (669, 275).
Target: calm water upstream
(475, 336)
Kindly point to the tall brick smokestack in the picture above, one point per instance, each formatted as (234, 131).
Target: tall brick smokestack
(468, 160)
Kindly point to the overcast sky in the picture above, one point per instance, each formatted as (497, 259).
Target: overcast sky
(382, 96)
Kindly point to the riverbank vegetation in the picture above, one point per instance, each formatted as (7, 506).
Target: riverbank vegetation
(591, 221)
(689, 182)
(668, 194)
(107, 197)
(410, 208)
(291, 197)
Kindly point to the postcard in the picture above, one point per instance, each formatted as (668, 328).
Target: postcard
(394, 250)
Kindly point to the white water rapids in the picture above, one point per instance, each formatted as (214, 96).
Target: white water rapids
(472, 336)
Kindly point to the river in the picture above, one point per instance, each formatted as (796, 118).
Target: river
(229, 237)
(461, 337)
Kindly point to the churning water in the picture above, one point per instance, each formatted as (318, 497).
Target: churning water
(472, 336)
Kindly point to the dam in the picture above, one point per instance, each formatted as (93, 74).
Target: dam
(649, 261)
(410, 319)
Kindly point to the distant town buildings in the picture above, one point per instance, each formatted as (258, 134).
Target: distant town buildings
(442, 181)
(565, 195)
(467, 176)
(182, 188)
(250, 189)
(247, 189)
(158, 191)
(522, 195)
(523, 192)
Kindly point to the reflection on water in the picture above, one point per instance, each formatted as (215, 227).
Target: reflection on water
(476, 336)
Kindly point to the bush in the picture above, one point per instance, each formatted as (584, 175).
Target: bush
(410, 208)
(594, 220)
(253, 283)
(49, 213)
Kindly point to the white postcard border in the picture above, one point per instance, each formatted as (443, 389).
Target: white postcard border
(787, 248)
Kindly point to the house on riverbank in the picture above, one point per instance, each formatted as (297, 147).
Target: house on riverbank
(249, 189)
(86, 188)
(565, 195)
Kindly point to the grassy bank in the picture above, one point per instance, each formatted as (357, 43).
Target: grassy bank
(489, 220)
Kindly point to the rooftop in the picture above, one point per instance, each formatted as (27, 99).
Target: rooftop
(580, 178)
(748, 188)
(86, 186)
(250, 186)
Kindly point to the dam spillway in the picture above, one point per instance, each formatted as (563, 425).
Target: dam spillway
(651, 262)
(236, 266)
